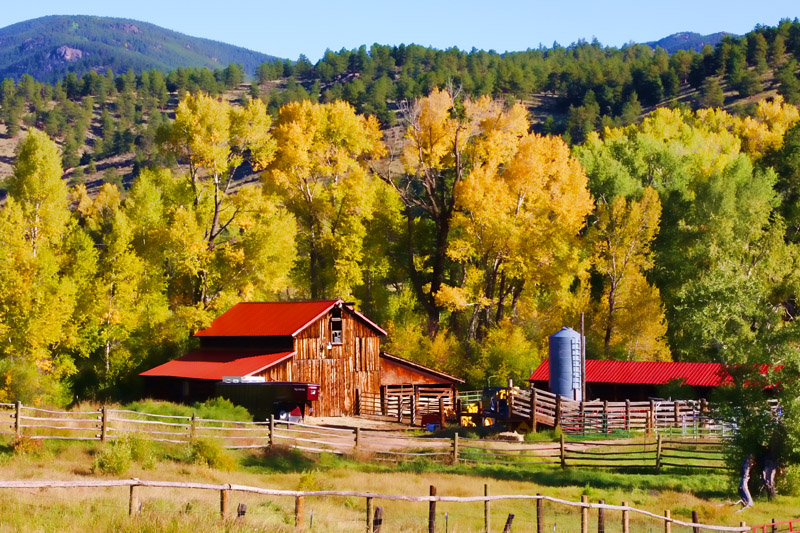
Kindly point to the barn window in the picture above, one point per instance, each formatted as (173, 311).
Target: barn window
(336, 326)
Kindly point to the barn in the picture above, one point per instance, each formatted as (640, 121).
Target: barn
(640, 380)
(324, 342)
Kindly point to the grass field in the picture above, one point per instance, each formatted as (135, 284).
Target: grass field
(196, 510)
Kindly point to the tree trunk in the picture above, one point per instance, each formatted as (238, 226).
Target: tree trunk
(612, 296)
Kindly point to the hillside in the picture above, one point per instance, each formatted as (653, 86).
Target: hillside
(48, 48)
(688, 41)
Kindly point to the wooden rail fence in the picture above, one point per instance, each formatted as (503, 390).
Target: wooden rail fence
(108, 424)
(135, 506)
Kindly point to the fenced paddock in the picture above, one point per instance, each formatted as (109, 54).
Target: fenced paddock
(537, 510)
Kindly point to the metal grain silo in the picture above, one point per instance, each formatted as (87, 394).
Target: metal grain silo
(565, 363)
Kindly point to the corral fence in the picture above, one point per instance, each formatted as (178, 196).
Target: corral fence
(534, 407)
(108, 424)
(374, 517)
(416, 405)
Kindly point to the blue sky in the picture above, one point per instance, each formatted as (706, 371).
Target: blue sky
(288, 29)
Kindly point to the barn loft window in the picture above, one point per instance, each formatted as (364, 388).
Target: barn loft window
(336, 325)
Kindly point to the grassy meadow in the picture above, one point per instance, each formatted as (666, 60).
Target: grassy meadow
(192, 510)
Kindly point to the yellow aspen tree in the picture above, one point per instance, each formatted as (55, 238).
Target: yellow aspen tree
(630, 316)
(321, 173)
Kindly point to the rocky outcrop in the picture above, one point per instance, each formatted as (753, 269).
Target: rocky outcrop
(67, 53)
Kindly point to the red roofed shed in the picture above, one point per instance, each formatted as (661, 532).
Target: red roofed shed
(639, 380)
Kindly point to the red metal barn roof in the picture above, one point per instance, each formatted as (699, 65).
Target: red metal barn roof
(214, 364)
(273, 319)
(645, 372)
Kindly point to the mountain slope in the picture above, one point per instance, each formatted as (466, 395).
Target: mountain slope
(50, 47)
(688, 41)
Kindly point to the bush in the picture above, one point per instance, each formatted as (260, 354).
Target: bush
(117, 456)
(215, 408)
(209, 452)
(789, 481)
(27, 445)
(114, 458)
(142, 451)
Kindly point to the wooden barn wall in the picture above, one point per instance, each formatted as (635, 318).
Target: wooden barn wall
(340, 370)
(281, 372)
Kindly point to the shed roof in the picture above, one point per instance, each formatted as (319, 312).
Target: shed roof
(645, 372)
(215, 364)
(274, 319)
(421, 368)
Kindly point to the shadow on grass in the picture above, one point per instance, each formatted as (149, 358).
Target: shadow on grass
(287, 460)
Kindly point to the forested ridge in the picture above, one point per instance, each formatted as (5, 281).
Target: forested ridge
(50, 47)
(427, 186)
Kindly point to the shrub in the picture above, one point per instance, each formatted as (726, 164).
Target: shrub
(789, 481)
(215, 408)
(113, 458)
(142, 450)
(27, 445)
(209, 452)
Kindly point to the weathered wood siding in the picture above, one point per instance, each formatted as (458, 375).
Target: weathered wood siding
(340, 369)
(281, 372)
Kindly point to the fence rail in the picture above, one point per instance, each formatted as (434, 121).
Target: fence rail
(134, 506)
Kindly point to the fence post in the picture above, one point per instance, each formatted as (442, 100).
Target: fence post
(486, 506)
(442, 420)
(271, 431)
(584, 515)
(651, 417)
(378, 521)
(627, 416)
(414, 406)
(534, 401)
(676, 407)
(557, 421)
(223, 503)
(605, 417)
(507, 527)
(626, 521)
(539, 515)
(432, 512)
(658, 454)
(774, 529)
(370, 522)
(103, 423)
(563, 452)
(193, 427)
(455, 448)
(358, 438)
(667, 522)
(384, 402)
(458, 411)
(299, 511)
(18, 418)
(358, 402)
(582, 418)
(695, 519)
(400, 402)
(601, 518)
(133, 502)
(509, 403)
